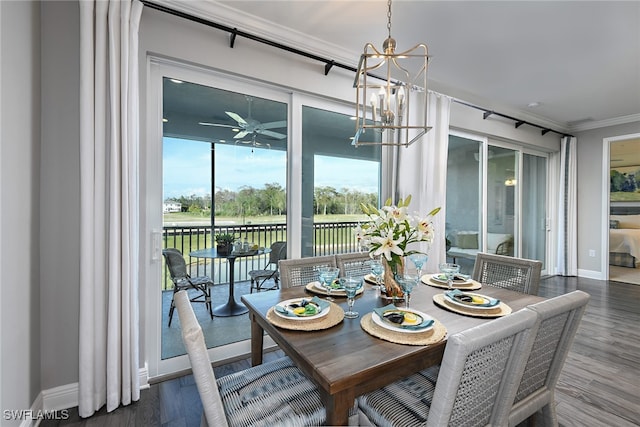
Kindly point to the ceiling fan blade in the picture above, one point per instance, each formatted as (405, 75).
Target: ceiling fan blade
(240, 135)
(236, 117)
(274, 125)
(272, 134)
(215, 124)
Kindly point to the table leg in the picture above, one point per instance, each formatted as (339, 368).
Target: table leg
(232, 307)
(338, 406)
(257, 338)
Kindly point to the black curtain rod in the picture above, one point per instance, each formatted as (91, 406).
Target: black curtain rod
(329, 63)
(488, 113)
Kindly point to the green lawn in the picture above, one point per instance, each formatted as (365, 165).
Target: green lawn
(183, 218)
(625, 196)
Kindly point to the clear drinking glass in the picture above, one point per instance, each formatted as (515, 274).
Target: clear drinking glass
(418, 260)
(450, 270)
(351, 286)
(407, 283)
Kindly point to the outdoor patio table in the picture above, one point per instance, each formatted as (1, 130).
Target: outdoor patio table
(231, 307)
(344, 361)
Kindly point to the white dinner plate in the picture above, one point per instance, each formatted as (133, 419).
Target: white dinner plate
(372, 279)
(470, 304)
(322, 288)
(336, 292)
(286, 304)
(389, 325)
(441, 278)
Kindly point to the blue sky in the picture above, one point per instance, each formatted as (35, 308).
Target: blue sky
(187, 164)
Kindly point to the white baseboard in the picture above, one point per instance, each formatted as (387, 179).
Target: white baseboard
(591, 274)
(65, 397)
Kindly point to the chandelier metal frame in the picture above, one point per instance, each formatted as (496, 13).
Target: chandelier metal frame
(394, 107)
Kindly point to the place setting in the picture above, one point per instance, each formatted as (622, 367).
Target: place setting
(471, 304)
(305, 314)
(329, 284)
(403, 325)
(450, 278)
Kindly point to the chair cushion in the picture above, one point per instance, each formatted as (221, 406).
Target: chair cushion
(274, 393)
(468, 240)
(403, 403)
(263, 273)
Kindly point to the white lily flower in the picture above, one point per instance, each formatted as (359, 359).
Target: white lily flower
(387, 245)
(398, 214)
(424, 230)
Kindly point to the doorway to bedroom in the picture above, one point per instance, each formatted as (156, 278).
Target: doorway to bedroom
(624, 208)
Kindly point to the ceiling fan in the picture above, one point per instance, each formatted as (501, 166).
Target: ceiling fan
(250, 126)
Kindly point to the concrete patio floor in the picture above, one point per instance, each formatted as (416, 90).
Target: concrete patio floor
(218, 331)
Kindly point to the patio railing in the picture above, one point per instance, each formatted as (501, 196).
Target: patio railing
(329, 238)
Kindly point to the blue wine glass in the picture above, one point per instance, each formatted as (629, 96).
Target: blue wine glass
(351, 286)
(419, 260)
(328, 275)
(450, 270)
(377, 269)
(407, 282)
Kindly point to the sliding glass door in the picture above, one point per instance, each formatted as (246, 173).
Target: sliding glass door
(534, 208)
(502, 191)
(496, 200)
(224, 172)
(336, 178)
(229, 155)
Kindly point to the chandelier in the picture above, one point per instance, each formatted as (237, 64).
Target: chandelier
(391, 109)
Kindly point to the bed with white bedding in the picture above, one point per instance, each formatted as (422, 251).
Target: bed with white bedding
(624, 240)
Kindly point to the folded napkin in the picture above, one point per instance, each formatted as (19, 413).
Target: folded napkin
(381, 310)
(458, 276)
(322, 304)
(491, 303)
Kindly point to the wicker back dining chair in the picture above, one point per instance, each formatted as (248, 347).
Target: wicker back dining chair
(354, 264)
(558, 320)
(517, 274)
(273, 393)
(299, 272)
(474, 386)
(259, 277)
(182, 280)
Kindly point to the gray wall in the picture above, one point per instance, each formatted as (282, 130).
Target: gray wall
(20, 211)
(60, 214)
(590, 176)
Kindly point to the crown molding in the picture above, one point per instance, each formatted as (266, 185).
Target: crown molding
(228, 16)
(605, 123)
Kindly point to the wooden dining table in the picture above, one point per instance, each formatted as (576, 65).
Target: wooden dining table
(344, 361)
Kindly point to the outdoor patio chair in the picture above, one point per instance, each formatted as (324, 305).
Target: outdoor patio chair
(259, 277)
(299, 272)
(183, 281)
(354, 264)
(517, 274)
(475, 385)
(558, 320)
(270, 394)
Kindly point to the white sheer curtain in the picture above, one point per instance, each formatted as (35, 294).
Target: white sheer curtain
(422, 173)
(567, 209)
(109, 106)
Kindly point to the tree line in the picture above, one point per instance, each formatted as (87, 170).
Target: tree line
(272, 200)
(626, 182)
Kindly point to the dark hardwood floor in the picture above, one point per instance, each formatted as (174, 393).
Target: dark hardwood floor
(599, 385)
